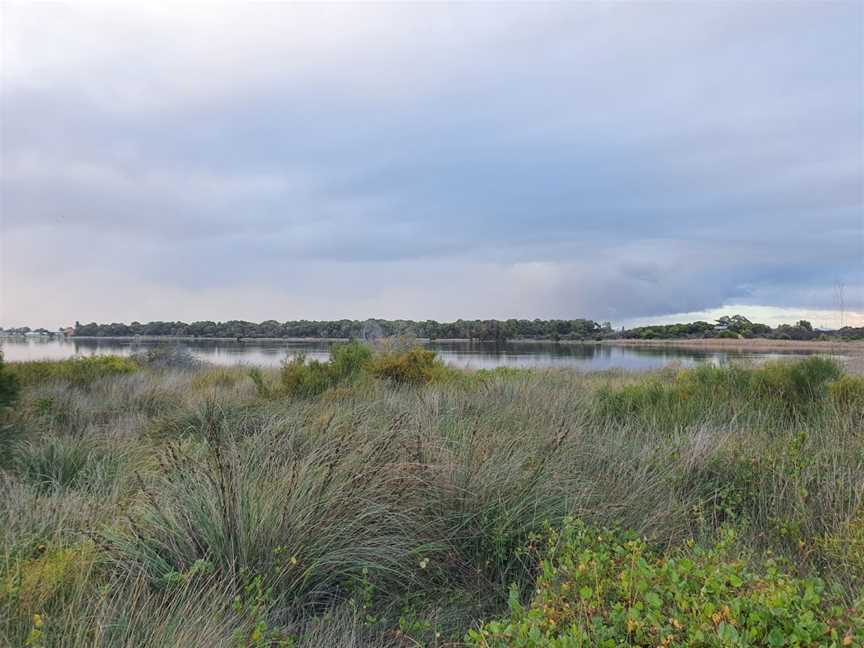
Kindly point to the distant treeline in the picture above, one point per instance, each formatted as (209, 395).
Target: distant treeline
(738, 326)
(578, 329)
(511, 329)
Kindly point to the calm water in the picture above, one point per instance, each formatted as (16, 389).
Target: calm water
(588, 357)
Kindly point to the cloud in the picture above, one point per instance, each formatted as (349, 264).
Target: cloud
(613, 161)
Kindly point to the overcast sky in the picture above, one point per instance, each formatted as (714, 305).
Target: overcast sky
(624, 162)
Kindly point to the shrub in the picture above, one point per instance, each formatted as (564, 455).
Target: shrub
(218, 377)
(779, 390)
(844, 546)
(606, 588)
(9, 386)
(348, 360)
(796, 383)
(847, 393)
(301, 379)
(33, 583)
(413, 367)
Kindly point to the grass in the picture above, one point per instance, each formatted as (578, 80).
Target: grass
(384, 499)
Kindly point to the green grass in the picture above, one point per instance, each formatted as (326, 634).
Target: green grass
(383, 499)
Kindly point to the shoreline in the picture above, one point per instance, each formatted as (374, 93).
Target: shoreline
(747, 344)
(725, 344)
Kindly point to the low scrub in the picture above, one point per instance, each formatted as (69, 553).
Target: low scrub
(301, 378)
(350, 363)
(415, 366)
(605, 588)
(78, 371)
(775, 391)
(381, 499)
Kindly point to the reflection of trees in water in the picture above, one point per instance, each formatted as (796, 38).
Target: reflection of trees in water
(460, 353)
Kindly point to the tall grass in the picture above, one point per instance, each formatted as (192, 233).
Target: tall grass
(211, 507)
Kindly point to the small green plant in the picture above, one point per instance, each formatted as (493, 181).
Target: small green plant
(254, 603)
(844, 546)
(598, 587)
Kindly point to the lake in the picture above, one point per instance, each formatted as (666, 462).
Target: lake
(477, 355)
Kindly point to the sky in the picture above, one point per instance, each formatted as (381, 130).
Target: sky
(631, 162)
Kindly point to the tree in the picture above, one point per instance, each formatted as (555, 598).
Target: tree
(804, 324)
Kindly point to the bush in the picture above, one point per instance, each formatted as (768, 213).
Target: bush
(79, 371)
(782, 389)
(606, 588)
(412, 367)
(847, 393)
(9, 386)
(301, 379)
(797, 383)
(844, 546)
(347, 362)
(33, 583)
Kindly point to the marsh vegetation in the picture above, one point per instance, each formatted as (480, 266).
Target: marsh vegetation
(385, 499)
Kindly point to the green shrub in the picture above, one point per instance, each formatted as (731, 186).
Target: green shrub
(604, 588)
(847, 393)
(9, 386)
(33, 583)
(299, 378)
(79, 371)
(775, 391)
(415, 366)
(219, 377)
(796, 383)
(348, 360)
(844, 546)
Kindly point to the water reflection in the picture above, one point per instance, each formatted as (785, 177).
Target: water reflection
(477, 355)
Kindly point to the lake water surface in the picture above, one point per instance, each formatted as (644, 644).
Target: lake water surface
(477, 355)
